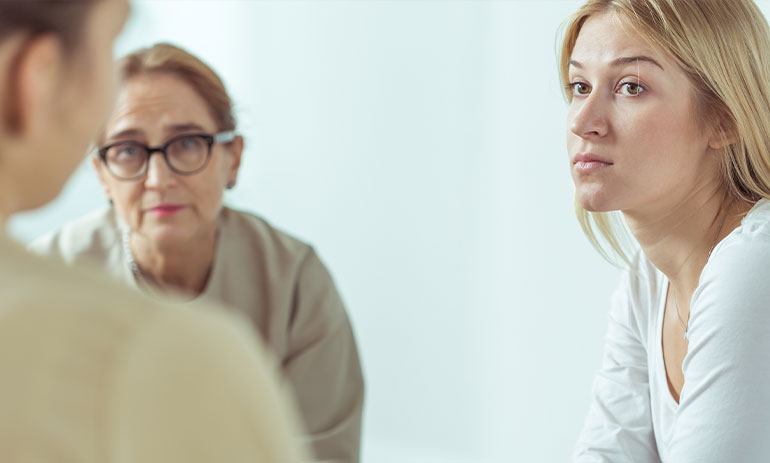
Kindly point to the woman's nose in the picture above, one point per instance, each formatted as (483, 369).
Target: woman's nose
(589, 118)
(159, 175)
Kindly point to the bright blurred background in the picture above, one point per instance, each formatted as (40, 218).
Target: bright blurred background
(419, 146)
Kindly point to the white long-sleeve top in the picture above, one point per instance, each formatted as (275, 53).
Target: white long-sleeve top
(724, 410)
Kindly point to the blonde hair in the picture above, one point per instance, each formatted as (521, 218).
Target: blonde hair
(723, 46)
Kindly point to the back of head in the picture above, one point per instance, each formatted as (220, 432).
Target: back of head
(723, 47)
(51, 116)
(65, 18)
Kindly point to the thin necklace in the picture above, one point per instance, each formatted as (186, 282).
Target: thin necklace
(146, 283)
(126, 238)
(685, 325)
(682, 324)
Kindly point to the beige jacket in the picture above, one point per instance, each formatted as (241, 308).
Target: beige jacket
(280, 284)
(93, 372)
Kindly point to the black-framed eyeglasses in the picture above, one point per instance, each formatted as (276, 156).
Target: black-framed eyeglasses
(184, 154)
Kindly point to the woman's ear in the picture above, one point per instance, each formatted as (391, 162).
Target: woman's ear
(721, 136)
(34, 81)
(236, 151)
(102, 174)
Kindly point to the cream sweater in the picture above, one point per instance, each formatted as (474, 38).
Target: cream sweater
(281, 286)
(93, 372)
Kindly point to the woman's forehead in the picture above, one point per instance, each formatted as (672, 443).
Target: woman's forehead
(606, 40)
(157, 105)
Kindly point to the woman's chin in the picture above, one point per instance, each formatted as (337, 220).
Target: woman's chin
(594, 208)
(166, 236)
(593, 201)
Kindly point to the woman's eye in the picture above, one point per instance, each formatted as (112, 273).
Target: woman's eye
(190, 143)
(127, 151)
(580, 88)
(630, 89)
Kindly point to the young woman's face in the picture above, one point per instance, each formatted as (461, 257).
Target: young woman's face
(165, 207)
(633, 138)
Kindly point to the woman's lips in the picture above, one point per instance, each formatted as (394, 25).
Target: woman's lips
(590, 166)
(589, 162)
(165, 210)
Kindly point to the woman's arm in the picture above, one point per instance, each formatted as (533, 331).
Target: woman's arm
(619, 425)
(724, 411)
(323, 366)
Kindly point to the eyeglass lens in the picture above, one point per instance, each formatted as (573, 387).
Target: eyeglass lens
(184, 154)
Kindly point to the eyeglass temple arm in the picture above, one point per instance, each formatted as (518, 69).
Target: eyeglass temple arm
(225, 137)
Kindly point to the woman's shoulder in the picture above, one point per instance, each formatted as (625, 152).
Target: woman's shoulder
(733, 284)
(51, 296)
(756, 223)
(642, 280)
(80, 330)
(636, 298)
(239, 225)
(58, 300)
(252, 245)
(90, 237)
(747, 248)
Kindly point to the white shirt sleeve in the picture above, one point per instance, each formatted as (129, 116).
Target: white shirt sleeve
(619, 425)
(724, 410)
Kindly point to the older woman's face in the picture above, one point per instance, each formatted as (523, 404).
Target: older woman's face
(633, 140)
(165, 207)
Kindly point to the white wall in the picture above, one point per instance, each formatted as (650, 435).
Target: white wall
(419, 145)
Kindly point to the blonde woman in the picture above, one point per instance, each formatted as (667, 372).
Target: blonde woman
(669, 135)
(93, 372)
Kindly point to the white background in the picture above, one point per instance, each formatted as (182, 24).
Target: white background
(419, 145)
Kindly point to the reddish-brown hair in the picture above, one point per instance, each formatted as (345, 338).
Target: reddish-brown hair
(167, 58)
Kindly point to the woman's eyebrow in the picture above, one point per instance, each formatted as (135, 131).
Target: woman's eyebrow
(126, 133)
(622, 61)
(170, 129)
(175, 128)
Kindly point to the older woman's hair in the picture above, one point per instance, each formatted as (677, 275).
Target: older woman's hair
(723, 46)
(169, 59)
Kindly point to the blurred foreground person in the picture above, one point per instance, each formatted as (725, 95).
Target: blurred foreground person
(92, 372)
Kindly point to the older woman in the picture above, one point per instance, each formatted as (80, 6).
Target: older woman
(669, 124)
(167, 153)
(91, 371)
